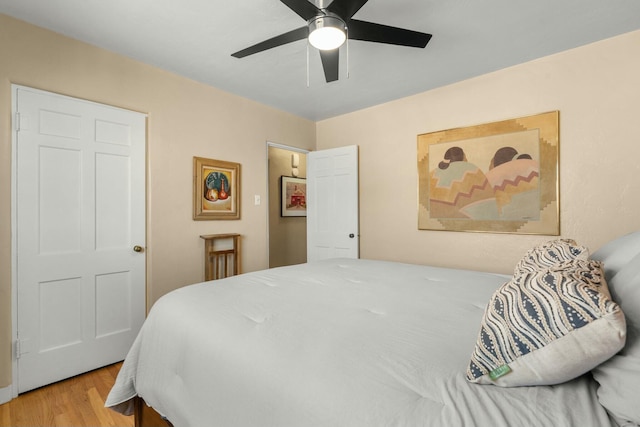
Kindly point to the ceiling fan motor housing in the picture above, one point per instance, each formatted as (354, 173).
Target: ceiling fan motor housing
(328, 28)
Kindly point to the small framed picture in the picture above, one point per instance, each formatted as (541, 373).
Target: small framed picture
(216, 189)
(293, 195)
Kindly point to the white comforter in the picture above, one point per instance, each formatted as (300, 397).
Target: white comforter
(334, 343)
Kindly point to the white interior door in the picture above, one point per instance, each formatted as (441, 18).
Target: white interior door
(80, 210)
(332, 204)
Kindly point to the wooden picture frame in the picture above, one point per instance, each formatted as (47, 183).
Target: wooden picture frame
(293, 196)
(216, 189)
(499, 177)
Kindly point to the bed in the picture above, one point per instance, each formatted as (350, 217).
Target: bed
(356, 342)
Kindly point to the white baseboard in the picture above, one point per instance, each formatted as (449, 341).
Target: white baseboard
(6, 394)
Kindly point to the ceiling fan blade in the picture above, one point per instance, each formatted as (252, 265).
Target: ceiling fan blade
(368, 31)
(303, 8)
(330, 64)
(345, 9)
(291, 36)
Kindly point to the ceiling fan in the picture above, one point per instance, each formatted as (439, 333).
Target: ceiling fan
(328, 28)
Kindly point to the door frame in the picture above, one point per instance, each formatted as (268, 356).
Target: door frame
(268, 145)
(11, 391)
(14, 243)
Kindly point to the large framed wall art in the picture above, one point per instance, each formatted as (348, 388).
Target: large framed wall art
(499, 177)
(216, 189)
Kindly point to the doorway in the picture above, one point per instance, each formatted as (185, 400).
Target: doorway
(287, 235)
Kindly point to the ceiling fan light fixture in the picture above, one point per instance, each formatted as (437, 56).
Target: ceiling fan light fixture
(327, 32)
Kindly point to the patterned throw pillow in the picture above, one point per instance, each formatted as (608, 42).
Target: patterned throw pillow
(549, 254)
(547, 326)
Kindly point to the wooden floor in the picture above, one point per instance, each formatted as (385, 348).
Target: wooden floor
(78, 401)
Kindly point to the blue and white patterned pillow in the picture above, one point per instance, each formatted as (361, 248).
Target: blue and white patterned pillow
(549, 254)
(547, 326)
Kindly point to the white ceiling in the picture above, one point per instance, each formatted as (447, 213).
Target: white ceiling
(195, 38)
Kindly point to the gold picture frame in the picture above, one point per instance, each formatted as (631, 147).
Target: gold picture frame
(499, 177)
(216, 189)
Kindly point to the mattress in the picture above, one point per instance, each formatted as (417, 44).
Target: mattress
(342, 342)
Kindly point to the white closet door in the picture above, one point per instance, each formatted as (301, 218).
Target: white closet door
(80, 211)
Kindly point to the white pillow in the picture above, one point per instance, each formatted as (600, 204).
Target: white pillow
(619, 377)
(617, 253)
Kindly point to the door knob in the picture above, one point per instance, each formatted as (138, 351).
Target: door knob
(137, 248)
(352, 235)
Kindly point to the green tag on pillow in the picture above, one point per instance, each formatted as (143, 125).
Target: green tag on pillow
(499, 372)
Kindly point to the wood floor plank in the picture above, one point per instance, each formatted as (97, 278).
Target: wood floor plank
(75, 402)
(97, 403)
(63, 420)
(69, 414)
(5, 415)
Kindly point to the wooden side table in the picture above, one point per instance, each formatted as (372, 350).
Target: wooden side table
(220, 260)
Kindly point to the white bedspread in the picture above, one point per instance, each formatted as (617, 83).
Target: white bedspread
(334, 343)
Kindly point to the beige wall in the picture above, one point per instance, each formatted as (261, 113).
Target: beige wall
(287, 235)
(596, 88)
(186, 119)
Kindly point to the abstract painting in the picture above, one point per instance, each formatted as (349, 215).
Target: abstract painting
(499, 177)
